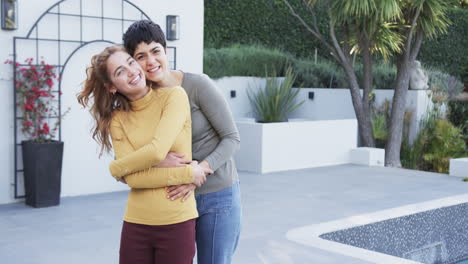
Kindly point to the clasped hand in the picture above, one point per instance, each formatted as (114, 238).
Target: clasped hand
(200, 171)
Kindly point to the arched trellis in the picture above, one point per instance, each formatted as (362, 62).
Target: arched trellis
(69, 16)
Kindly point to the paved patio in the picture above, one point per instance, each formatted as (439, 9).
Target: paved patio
(86, 229)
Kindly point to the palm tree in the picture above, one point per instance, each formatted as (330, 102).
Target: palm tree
(358, 27)
(377, 27)
(420, 19)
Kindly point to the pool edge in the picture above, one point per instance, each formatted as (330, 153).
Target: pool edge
(309, 235)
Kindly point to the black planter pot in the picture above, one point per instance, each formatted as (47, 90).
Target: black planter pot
(42, 164)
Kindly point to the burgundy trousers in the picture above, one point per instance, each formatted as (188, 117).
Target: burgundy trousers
(164, 244)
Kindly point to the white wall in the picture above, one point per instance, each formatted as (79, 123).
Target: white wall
(328, 104)
(240, 105)
(83, 172)
(295, 145)
(336, 104)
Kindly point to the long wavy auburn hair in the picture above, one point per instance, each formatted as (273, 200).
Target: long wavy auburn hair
(103, 103)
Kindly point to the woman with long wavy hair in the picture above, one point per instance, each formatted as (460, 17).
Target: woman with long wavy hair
(145, 122)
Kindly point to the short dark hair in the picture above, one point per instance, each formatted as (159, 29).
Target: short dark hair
(142, 31)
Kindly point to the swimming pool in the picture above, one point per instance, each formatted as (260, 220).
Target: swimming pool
(435, 236)
(434, 232)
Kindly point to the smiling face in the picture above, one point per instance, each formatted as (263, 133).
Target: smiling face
(126, 76)
(153, 59)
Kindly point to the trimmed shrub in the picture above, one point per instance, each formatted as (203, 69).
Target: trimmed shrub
(384, 75)
(257, 60)
(242, 60)
(444, 84)
(321, 75)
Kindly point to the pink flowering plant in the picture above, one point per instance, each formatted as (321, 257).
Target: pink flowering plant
(34, 83)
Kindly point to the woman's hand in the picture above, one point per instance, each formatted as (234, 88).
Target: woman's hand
(199, 173)
(173, 160)
(205, 164)
(175, 192)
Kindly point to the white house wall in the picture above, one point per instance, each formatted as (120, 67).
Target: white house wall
(328, 104)
(83, 171)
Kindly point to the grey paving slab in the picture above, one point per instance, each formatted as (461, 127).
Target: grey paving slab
(86, 229)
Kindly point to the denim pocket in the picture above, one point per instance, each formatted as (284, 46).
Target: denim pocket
(216, 202)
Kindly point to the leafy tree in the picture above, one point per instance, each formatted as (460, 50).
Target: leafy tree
(370, 28)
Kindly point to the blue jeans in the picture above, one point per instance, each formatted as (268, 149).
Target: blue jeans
(218, 226)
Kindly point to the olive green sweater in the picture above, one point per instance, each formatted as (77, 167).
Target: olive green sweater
(215, 137)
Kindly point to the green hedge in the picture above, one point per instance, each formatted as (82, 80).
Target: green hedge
(269, 23)
(264, 22)
(240, 60)
(259, 61)
(449, 52)
(244, 60)
(256, 60)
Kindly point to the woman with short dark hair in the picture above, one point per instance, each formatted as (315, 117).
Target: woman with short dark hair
(215, 138)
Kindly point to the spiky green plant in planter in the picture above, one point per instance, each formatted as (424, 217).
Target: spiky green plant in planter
(379, 127)
(276, 100)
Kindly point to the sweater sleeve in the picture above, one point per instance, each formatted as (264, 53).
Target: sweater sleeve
(216, 109)
(151, 177)
(175, 112)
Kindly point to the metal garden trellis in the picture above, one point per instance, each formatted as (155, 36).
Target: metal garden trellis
(36, 37)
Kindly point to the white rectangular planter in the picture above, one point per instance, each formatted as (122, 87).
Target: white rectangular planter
(459, 167)
(368, 156)
(294, 145)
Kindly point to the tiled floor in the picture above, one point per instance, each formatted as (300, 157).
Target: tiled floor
(86, 229)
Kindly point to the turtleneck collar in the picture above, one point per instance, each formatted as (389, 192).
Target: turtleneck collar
(143, 102)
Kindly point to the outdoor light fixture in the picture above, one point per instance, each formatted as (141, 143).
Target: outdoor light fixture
(9, 14)
(311, 95)
(172, 27)
(233, 93)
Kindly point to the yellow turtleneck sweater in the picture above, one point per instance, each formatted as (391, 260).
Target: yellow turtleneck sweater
(159, 123)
